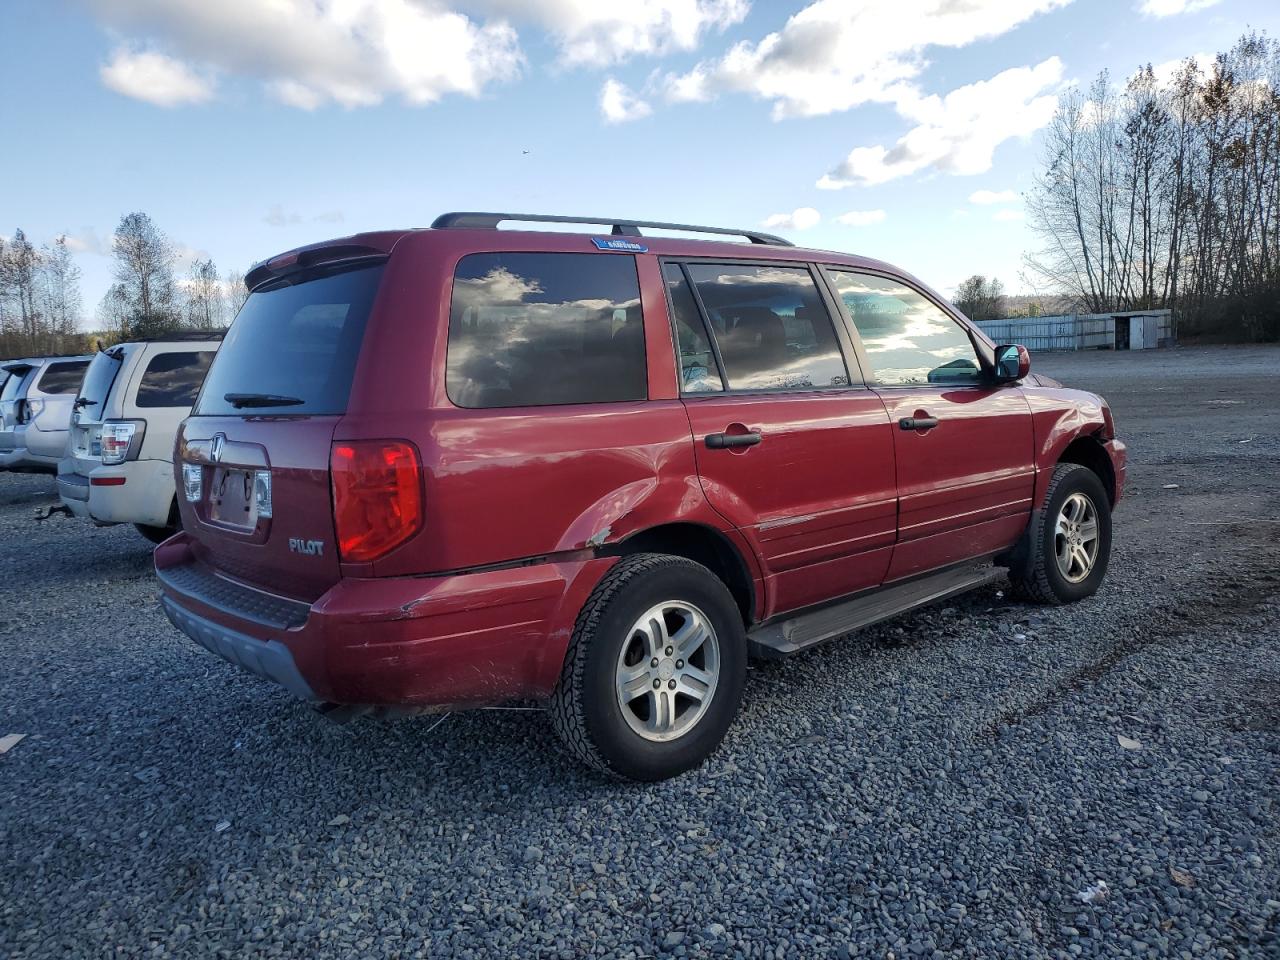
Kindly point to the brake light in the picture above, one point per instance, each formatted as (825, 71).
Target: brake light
(377, 497)
(121, 440)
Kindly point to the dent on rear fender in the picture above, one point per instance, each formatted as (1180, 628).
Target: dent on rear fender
(633, 507)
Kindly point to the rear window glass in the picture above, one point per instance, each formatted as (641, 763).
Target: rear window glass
(535, 329)
(13, 385)
(97, 382)
(292, 348)
(173, 379)
(62, 377)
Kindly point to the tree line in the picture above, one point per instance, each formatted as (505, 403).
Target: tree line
(1166, 193)
(41, 305)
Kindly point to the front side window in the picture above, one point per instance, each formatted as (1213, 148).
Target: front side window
(538, 329)
(173, 379)
(772, 328)
(699, 372)
(908, 339)
(61, 378)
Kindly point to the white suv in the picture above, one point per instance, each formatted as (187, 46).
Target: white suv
(119, 459)
(35, 411)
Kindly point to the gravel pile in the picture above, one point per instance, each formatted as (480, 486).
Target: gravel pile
(982, 779)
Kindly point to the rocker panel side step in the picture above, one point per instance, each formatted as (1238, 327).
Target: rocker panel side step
(785, 637)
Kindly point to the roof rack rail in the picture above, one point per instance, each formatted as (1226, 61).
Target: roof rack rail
(620, 228)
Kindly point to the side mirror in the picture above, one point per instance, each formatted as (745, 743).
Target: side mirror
(1013, 362)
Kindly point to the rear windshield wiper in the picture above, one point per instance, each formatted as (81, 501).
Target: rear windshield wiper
(85, 402)
(241, 400)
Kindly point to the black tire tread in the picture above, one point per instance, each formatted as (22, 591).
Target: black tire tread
(1036, 587)
(566, 702)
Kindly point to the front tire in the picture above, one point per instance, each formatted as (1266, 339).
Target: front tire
(654, 672)
(1069, 541)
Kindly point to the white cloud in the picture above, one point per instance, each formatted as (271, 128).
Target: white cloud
(957, 133)
(985, 198)
(1009, 215)
(861, 218)
(1170, 8)
(603, 32)
(802, 218)
(155, 78)
(619, 104)
(89, 240)
(277, 216)
(836, 54)
(314, 52)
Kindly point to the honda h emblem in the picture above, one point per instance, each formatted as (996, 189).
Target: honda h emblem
(215, 447)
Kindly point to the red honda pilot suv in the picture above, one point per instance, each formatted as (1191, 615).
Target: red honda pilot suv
(434, 469)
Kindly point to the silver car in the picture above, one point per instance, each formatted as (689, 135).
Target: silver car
(118, 464)
(35, 411)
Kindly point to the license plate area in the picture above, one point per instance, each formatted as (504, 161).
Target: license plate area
(231, 500)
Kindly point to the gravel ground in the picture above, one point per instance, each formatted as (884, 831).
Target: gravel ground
(946, 784)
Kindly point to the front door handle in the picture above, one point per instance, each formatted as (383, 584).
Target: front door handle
(918, 423)
(721, 441)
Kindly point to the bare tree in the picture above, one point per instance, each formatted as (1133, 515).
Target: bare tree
(206, 304)
(144, 271)
(59, 294)
(1169, 195)
(981, 298)
(235, 292)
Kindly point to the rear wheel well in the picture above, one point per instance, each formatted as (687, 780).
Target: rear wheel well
(702, 545)
(1088, 452)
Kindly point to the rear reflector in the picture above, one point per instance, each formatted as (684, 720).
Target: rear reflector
(107, 481)
(377, 497)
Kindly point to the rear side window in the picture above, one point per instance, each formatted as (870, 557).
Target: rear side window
(535, 329)
(772, 328)
(61, 378)
(173, 379)
(293, 347)
(908, 339)
(13, 386)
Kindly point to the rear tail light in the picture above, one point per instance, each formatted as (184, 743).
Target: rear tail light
(121, 440)
(377, 497)
(192, 481)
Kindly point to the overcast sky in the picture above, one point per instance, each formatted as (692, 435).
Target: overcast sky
(899, 129)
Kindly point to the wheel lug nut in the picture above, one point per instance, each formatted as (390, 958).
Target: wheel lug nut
(657, 684)
(679, 664)
(653, 662)
(671, 684)
(670, 650)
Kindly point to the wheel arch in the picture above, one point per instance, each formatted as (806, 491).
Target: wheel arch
(1087, 451)
(701, 544)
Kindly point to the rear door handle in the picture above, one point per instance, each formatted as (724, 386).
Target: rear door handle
(918, 423)
(721, 441)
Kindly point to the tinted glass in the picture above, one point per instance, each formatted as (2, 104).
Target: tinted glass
(771, 326)
(173, 379)
(62, 377)
(298, 341)
(908, 340)
(97, 383)
(533, 329)
(699, 372)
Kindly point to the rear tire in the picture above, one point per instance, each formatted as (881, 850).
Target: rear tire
(1069, 540)
(654, 672)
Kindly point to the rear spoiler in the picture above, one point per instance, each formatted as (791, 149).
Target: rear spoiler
(305, 257)
(17, 367)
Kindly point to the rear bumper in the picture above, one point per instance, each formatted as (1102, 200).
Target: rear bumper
(141, 491)
(451, 641)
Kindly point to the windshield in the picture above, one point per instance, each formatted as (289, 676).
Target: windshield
(293, 347)
(97, 384)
